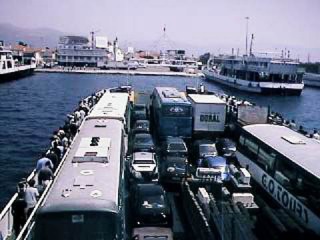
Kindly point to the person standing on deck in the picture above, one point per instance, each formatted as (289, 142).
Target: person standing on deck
(30, 196)
(18, 212)
(42, 162)
(45, 174)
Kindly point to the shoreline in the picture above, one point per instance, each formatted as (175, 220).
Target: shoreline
(120, 72)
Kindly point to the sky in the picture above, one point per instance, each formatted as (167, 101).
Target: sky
(212, 25)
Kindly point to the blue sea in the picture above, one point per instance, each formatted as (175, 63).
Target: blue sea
(33, 107)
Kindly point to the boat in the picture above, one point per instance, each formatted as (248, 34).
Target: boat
(311, 79)
(10, 69)
(260, 75)
(93, 194)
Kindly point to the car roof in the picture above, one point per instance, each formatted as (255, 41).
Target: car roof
(142, 121)
(174, 158)
(143, 156)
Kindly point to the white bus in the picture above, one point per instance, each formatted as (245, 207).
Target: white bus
(287, 165)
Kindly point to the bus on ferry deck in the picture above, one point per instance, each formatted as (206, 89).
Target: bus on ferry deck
(286, 165)
(172, 113)
(86, 200)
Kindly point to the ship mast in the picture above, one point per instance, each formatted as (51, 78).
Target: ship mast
(250, 52)
(247, 23)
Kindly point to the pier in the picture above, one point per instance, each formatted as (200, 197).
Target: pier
(153, 71)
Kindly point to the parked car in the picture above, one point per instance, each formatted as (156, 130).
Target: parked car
(202, 149)
(139, 112)
(143, 142)
(144, 166)
(141, 126)
(150, 206)
(216, 162)
(174, 146)
(173, 169)
(207, 150)
(226, 147)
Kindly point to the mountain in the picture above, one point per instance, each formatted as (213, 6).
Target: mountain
(40, 37)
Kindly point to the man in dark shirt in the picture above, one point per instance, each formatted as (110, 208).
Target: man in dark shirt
(18, 212)
(45, 174)
(54, 158)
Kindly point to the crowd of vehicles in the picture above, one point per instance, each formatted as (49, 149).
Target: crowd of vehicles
(151, 170)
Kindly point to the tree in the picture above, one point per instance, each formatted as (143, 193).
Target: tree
(204, 58)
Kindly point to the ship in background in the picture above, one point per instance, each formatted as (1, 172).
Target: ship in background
(257, 74)
(260, 75)
(11, 69)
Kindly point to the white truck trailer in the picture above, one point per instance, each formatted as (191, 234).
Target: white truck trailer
(209, 113)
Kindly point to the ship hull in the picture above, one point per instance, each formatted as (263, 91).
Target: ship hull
(16, 74)
(263, 88)
(311, 80)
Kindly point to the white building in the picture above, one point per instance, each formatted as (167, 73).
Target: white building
(77, 51)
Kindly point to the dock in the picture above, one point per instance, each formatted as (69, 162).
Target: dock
(152, 71)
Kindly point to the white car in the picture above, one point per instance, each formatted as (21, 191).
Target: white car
(143, 165)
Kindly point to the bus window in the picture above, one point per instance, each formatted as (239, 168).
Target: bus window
(241, 140)
(286, 174)
(308, 191)
(252, 147)
(266, 159)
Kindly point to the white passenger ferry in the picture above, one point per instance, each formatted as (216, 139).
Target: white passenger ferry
(259, 75)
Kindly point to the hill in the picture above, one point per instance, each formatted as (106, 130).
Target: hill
(40, 37)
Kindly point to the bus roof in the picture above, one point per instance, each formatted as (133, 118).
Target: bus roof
(111, 105)
(300, 149)
(171, 95)
(89, 185)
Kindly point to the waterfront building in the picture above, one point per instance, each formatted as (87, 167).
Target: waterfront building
(26, 54)
(77, 51)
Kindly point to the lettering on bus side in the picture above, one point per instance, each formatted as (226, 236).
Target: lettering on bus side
(284, 198)
(213, 117)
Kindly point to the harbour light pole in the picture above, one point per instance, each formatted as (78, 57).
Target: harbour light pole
(247, 24)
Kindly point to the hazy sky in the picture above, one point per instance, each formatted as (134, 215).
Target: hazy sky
(204, 23)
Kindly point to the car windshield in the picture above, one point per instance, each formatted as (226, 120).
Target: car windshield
(177, 164)
(146, 139)
(177, 147)
(152, 198)
(227, 144)
(142, 125)
(139, 108)
(143, 162)
(207, 149)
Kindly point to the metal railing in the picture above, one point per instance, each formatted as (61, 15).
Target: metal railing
(6, 217)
